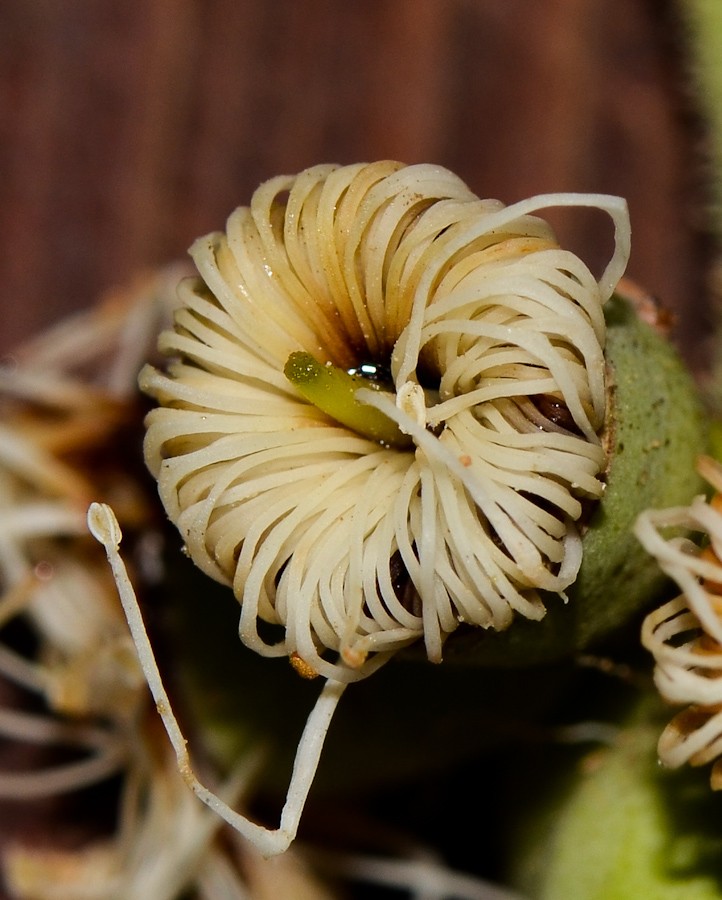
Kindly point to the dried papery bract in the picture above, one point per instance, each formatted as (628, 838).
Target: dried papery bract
(685, 635)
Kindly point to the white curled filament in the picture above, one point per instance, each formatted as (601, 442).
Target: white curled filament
(685, 634)
(491, 339)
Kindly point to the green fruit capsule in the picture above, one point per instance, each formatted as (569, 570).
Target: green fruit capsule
(611, 824)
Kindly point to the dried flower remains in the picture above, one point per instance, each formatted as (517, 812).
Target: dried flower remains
(66, 397)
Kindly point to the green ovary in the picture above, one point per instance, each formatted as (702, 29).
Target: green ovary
(333, 391)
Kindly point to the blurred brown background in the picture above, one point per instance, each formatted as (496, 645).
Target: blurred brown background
(129, 127)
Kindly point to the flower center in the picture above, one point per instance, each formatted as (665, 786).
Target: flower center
(333, 391)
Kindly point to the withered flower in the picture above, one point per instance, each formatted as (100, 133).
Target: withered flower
(63, 400)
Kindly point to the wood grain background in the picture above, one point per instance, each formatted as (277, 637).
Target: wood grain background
(129, 127)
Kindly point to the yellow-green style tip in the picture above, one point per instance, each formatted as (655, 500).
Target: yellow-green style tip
(333, 391)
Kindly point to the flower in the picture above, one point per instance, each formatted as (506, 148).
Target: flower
(476, 345)
(685, 634)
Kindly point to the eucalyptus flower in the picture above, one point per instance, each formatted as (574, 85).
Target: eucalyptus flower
(382, 419)
(685, 634)
(382, 415)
